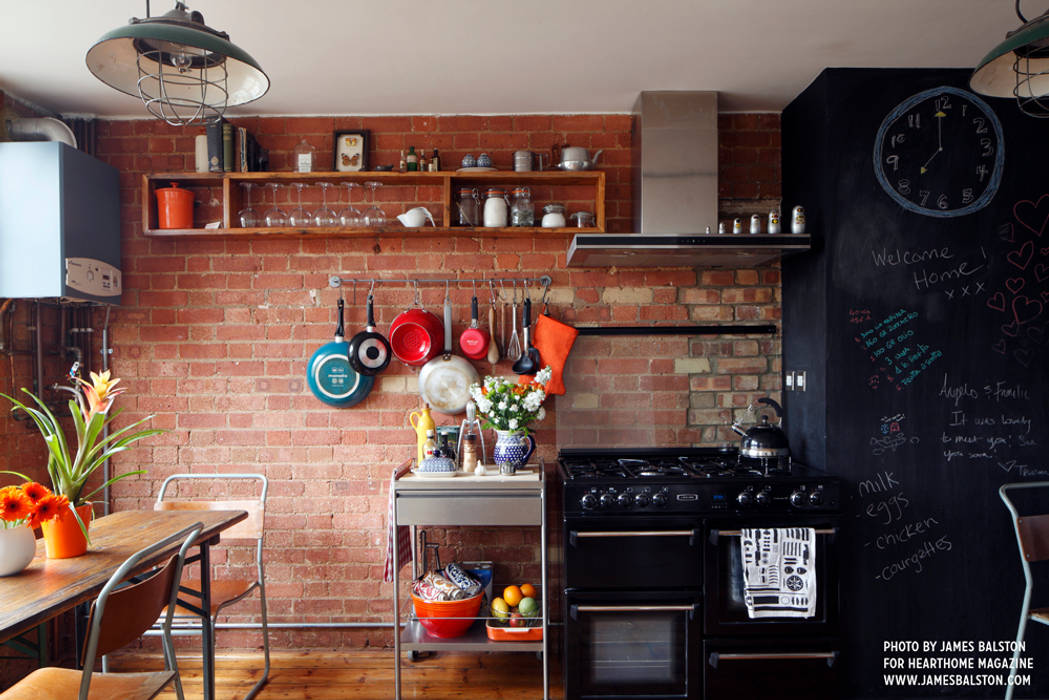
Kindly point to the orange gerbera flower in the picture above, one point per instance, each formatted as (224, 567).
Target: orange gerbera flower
(48, 507)
(14, 504)
(35, 491)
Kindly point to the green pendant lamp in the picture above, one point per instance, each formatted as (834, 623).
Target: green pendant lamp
(184, 71)
(1019, 67)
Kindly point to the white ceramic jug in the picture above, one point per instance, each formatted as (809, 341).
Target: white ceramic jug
(414, 218)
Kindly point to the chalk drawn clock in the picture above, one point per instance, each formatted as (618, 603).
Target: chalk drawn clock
(940, 153)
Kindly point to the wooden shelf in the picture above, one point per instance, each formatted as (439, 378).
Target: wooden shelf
(227, 192)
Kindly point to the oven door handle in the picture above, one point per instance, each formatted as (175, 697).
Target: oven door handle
(574, 610)
(830, 656)
(717, 534)
(574, 535)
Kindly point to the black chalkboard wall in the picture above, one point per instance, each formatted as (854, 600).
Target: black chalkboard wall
(922, 320)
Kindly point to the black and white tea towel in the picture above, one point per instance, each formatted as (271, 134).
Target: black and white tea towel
(779, 571)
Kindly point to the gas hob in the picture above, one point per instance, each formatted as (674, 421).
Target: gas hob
(650, 481)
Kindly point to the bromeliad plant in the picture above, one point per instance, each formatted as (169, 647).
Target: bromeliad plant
(29, 504)
(507, 405)
(69, 469)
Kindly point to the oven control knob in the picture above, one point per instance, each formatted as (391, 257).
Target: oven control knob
(624, 500)
(816, 497)
(660, 499)
(588, 501)
(606, 500)
(746, 497)
(798, 499)
(641, 500)
(763, 498)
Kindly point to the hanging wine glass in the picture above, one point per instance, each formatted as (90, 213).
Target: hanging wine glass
(299, 216)
(374, 215)
(350, 216)
(275, 216)
(249, 218)
(325, 215)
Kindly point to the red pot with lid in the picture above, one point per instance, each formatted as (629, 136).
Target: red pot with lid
(174, 207)
(474, 340)
(415, 335)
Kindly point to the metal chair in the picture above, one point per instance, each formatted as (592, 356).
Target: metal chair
(1032, 537)
(224, 592)
(119, 615)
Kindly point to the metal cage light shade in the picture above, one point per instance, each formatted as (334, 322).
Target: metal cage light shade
(184, 71)
(1018, 67)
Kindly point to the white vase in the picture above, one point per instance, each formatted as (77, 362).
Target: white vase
(17, 547)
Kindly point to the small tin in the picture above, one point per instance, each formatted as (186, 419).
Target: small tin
(774, 226)
(755, 223)
(721, 228)
(737, 226)
(797, 220)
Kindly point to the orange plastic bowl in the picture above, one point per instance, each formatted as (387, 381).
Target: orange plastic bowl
(436, 616)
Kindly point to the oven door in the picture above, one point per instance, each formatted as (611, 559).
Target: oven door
(790, 669)
(726, 610)
(639, 644)
(633, 553)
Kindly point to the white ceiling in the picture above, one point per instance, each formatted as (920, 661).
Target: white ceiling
(509, 56)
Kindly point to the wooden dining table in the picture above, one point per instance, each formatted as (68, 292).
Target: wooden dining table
(49, 587)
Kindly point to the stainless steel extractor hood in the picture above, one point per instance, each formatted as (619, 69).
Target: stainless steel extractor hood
(675, 164)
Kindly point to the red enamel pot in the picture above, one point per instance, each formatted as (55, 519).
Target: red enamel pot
(474, 340)
(415, 336)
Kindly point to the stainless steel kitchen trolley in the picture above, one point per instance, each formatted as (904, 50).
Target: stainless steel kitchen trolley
(470, 501)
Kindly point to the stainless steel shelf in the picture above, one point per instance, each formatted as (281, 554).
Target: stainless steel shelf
(415, 638)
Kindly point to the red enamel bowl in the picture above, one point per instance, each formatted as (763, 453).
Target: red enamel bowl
(447, 619)
(416, 336)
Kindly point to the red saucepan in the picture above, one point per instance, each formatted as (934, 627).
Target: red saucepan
(415, 335)
(474, 340)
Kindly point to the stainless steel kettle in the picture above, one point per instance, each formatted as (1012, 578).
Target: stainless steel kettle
(764, 440)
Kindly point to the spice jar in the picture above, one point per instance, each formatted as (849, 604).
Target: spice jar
(554, 215)
(583, 219)
(469, 455)
(521, 211)
(495, 209)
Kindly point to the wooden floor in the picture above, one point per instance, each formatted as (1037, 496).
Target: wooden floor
(365, 675)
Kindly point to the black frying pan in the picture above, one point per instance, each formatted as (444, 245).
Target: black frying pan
(369, 349)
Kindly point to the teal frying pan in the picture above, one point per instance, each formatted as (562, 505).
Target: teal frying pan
(330, 376)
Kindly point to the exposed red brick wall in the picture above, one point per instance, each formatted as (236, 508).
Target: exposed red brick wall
(214, 336)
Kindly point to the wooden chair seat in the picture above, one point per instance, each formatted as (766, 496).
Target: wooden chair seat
(51, 683)
(222, 590)
(1041, 614)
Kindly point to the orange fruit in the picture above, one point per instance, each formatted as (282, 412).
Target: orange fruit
(528, 590)
(512, 595)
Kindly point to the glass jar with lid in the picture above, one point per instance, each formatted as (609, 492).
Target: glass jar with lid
(554, 215)
(495, 208)
(469, 207)
(522, 213)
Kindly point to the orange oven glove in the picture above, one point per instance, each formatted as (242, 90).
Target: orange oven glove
(554, 341)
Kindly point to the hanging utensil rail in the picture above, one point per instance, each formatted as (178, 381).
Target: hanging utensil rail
(545, 281)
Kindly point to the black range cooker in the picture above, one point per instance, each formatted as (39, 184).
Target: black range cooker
(653, 576)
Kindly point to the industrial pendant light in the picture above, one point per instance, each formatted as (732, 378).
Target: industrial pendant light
(1019, 67)
(184, 71)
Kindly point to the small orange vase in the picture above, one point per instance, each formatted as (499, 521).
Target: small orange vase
(62, 535)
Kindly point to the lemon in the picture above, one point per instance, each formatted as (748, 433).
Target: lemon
(512, 595)
(500, 608)
(528, 607)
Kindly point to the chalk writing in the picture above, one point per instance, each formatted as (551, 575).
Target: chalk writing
(859, 315)
(891, 435)
(986, 421)
(905, 540)
(951, 276)
(891, 345)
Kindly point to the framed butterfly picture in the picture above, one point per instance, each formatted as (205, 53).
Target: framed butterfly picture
(351, 151)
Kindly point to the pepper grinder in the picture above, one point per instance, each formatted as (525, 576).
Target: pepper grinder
(471, 425)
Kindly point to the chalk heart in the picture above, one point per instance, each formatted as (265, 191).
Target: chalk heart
(1036, 333)
(1044, 251)
(1011, 329)
(1023, 356)
(1026, 309)
(996, 301)
(1041, 272)
(1021, 258)
(1033, 215)
(1045, 296)
(999, 347)
(1015, 284)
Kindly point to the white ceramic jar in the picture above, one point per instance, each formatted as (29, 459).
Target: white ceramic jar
(554, 216)
(495, 209)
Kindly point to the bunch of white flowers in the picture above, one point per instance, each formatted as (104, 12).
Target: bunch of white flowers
(507, 405)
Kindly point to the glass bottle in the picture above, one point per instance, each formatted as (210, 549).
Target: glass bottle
(403, 164)
(435, 162)
(430, 446)
(468, 207)
(522, 213)
(411, 160)
(304, 157)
